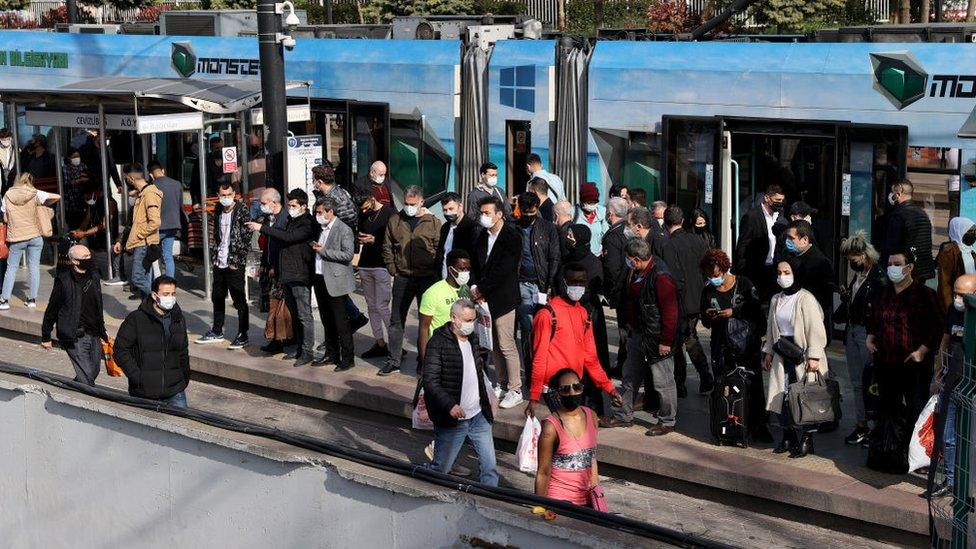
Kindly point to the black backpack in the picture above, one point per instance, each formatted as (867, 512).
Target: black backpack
(552, 313)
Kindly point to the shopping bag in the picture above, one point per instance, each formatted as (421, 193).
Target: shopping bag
(4, 247)
(527, 450)
(923, 437)
(491, 394)
(111, 367)
(419, 417)
(482, 327)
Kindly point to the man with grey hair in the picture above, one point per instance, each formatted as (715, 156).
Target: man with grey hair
(376, 183)
(409, 252)
(614, 262)
(271, 214)
(641, 223)
(564, 220)
(76, 307)
(456, 394)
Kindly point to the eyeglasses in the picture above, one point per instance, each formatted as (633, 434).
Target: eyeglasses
(570, 389)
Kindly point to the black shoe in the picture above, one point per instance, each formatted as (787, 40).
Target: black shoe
(942, 490)
(356, 323)
(857, 436)
(344, 367)
(239, 342)
(682, 391)
(303, 360)
(804, 448)
(388, 369)
(323, 360)
(705, 386)
(272, 348)
(828, 427)
(321, 347)
(762, 434)
(376, 351)
(786, 443)
(293, 355)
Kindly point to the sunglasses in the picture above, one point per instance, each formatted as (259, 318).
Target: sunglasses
(569, 389)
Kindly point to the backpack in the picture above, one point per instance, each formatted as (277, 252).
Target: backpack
(552, 313)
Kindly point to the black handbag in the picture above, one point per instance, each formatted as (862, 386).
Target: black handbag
(813, 402)
(153, 254)
(791, 353)
(739, 332)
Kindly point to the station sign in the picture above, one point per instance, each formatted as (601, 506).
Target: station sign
(163, 123)
(296, 113)
(80, 120)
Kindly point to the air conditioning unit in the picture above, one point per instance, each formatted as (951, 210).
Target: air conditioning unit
(94, 29)
(445, 27)
(376, 32)
(213, 22)
(139, 28)
(485, 35)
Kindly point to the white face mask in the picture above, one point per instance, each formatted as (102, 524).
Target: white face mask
(491, 181)
(466, 328)
(660, 221)
(463, 277)
(896, 273)
(410, 210)
(166, 302)
(227, 201)
(784, 281)
(132, 201)
(589, 208)
(295, 212)
(575, 293)
(321, 219)
(379, 179)
(959, 303)
(486, 221)
(76, 161)
(6, 143)
(90, 201)
(266, 209)
(628, 232)
(891, 199)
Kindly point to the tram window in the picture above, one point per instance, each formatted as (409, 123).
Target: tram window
(417, 158)
(632, 159)
(929, 170)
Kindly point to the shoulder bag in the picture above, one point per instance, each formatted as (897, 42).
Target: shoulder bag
(791, 353)
(739, 332)
(814, 402)
(43, 215)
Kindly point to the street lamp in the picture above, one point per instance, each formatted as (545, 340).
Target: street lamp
(273, 101)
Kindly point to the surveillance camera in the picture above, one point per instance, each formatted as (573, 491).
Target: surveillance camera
(288, 42)
(292, 19)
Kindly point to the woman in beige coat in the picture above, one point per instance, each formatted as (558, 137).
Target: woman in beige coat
(793, 314)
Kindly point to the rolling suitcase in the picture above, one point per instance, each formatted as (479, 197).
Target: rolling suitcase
(729, 404)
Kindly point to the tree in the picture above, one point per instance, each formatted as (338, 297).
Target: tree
(12, 5)
(668, 16)
(382, 11)
(971, 11)
(793, 15)
(904, 13)
(924, 8)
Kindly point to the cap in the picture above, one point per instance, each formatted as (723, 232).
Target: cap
(589, 193)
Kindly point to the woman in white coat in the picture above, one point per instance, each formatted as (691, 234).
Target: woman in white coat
(794, 314)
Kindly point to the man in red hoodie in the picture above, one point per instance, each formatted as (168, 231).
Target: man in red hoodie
(571, 345)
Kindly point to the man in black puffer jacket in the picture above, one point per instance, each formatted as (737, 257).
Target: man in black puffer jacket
(909, 228)
(456, 395)
(151, 347)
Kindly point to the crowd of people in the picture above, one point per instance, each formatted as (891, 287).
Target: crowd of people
(520, 287)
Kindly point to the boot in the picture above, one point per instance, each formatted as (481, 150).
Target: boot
(787, 443)
(804, 448)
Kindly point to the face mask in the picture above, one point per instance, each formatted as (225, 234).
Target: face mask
(896, 273)
(491, 181)
(784, 281)
(166, 302)
(466, 328)
(322, 220)
(660, 221)
(5, 143)
(266, 209)
(589, 208)
(628, 232)
(630, 263)
(486, 221)
(969, 238)
(958, 303)
(570, 402)
(379, 179)
(410, 211)
(76, 162)
(891, 199)
(295, 212)
(463, 277)
(699, 228)
(717, 281)
(575, 293)
(90, 201)
(132, 201)
(451, 218)
(86, 264)
(527, 219)
(791, 246)
(777, 206)
(226, 201)
(855, 266)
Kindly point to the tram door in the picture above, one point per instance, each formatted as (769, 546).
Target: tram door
(696, 161)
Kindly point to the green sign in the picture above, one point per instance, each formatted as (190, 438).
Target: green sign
(37, 59)
(899, 77)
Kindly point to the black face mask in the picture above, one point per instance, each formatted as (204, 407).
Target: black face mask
(855, 266)
(969, 238)
(526, 219)
(777, 206)
(571, 402)
(86, 264)
(451, 218)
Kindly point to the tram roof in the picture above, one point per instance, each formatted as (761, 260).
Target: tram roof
(151, 94)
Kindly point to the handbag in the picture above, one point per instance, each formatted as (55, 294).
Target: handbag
(738, 332)
(4, 247)
(597, 499)
(111, 367)
(153, 253)
(791, 353)
(43, 215)
(813, 402)
(279, 324)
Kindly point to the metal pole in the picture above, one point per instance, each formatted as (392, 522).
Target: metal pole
(273, 100)
(103, 150)
(202, 165)
(60, 172)
(15, 130)
(242, 158)
(72, 11)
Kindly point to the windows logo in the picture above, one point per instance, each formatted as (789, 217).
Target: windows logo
(517, 87)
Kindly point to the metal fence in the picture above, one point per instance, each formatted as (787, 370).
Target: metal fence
(103, 14)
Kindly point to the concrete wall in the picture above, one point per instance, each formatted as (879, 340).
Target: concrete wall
(78, 472)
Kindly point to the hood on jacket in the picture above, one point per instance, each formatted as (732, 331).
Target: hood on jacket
(20, 195)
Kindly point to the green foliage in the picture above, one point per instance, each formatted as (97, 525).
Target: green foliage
(10, 5)
(342, 12)
(795, 15)
(617, 14)
(383, 11)
(499, 7)
(233, 4)
(118, 4)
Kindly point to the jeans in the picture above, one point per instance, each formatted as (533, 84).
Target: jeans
(696, 353)
(166, 239)
(856, 351)
(405, 290)
(949, 438)
(376, 287)
(224, 281)
(524, 315)
(176, 401)
(85, 354)
(33, 248)
(298, 299)
(634, 369)
(141, 277)
(448, 442)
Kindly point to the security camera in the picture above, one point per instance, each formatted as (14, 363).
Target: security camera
(291, 20)
(288, 42)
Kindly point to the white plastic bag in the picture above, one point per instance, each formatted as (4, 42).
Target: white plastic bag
(482, 327)
(923, 437)
(419, 417)
(527, 450)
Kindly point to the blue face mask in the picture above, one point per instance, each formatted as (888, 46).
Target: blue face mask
(630, 263)
(717, 281)
(791, 246)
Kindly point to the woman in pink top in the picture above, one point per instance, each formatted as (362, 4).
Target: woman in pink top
(567, 460)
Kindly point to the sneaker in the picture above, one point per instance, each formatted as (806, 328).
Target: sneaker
(858, 435)
(498, 392)
(113, 282)
(511, 400)
(30, 304)
(429, 451)
(239, 342)
(388, 369)
(376, 351)
(211, 337)
(356, 323)
(4, 305)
